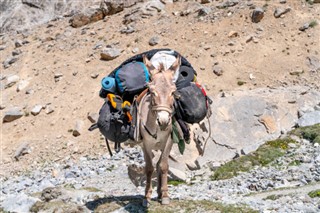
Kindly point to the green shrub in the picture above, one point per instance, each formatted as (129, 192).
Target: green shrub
(311, 133)
(314, 193)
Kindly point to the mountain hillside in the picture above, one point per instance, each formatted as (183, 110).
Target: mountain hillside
(52, 66)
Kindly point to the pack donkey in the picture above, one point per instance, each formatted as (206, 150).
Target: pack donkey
(156, 111)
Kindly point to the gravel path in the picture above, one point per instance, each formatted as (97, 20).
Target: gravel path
(268, 189)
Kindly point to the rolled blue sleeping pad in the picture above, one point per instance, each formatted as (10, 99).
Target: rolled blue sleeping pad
(109, 84)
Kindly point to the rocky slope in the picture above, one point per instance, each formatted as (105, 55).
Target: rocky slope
(51, 72)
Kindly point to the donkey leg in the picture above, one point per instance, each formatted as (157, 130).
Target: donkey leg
(159, 181)
(149, 171)
(164, 167)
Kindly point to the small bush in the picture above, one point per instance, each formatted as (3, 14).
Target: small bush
(315, 193)
(313, 23)
(240, 83)
(311, 133)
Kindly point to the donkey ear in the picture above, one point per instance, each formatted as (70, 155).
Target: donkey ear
(148, 64)
(175, 66)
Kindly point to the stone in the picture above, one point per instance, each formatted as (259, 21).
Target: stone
(154, 41)
(23, 149)
(7, 63)
(227, 3)
(18, 43)
(136, 174)
(36, 109)
(304, 27)
(22, 85)
(205, 1)
(11, 80)
(90, 15)
(309, 118)
(176, 174)
(2, 47)
(313, 63)
(78, 128)
(128, 30)
(110, 54)
(279, 12)
(13, 114)
(110, 7)
(18, 203)
(233, 34)
(217, 70)
(49, 109)
(257, 15)
(93, 117)
(283, 1)
(16, 52)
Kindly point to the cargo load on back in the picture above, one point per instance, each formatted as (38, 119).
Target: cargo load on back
(126, 82)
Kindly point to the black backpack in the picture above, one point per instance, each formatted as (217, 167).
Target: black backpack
(113, 123)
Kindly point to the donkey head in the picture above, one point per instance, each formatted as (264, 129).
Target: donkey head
(162, 88)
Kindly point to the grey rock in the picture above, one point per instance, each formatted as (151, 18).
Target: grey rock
(29, 91)
(89, 15)
(136, 174)
(110, 53)
(111, 7)
(128, 30)
(93, 117)
(50, 193)
(154, 41)
(16, 52)
(18, 43)
(304, 27)
(155, 5)
(36, 109)
(2, 47)
(279, 12)
(283, 1)
(49, 109)
(2, 106)
(227, 3)
(257, 15)
(23, 149)
(78, 128)
(11, 80)
(13, 114)
(217, 70)
(313, 63)
(9, 61)
(204, 11)
(22, 85)
(309, 118)
(18, 203)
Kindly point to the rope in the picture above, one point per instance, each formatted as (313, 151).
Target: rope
(209, 136)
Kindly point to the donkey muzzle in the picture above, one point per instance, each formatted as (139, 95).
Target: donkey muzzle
(163, 120)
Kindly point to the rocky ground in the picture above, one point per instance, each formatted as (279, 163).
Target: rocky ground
(50, 78)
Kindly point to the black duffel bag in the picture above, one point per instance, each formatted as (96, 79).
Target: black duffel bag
(191, 103)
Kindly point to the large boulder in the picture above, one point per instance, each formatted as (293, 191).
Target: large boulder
(243, 120)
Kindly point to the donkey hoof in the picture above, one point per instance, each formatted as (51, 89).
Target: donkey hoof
(145, 203)
(165, 201)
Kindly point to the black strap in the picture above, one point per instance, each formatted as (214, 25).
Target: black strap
(107, 142)
(93, 127)
(148, 131)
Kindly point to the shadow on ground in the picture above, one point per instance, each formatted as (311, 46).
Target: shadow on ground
(107, 204)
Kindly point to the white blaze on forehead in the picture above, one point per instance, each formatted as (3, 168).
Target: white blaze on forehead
(163, 117)
(166, 58)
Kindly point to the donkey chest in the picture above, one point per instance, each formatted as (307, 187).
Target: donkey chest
(159, 143)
